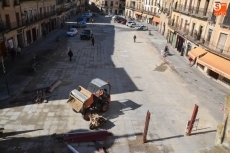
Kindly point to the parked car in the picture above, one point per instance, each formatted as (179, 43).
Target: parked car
(123, 22)
(81, 24)
(141, 27)
(86, 34)
(132, 24)
(82, 19)
(129, 22)
(119, 21)
(115, 16)
(72, 32)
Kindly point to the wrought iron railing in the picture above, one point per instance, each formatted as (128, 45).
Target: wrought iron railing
(196, 11)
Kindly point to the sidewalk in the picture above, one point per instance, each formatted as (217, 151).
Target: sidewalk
(191, 75)
(20, 64)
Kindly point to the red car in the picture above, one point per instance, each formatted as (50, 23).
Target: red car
(123, 22)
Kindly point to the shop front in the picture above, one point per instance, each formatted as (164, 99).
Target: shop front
(156, 21)
(149, 19)
(180, 43)
(144, 18)
(189, 46)
(216, 67)
(170, 35)
(138, 15)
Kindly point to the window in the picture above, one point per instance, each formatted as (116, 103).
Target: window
(221, 42)
(111, 4)
(106, 4)
(116, 3)
(209, 35)
(193, 27)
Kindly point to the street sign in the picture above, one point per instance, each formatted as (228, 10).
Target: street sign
(220, 8)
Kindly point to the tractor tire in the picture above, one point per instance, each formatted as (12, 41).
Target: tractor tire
(104, 107)
(86, 115)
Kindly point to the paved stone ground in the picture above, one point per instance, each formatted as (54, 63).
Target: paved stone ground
(140, 80)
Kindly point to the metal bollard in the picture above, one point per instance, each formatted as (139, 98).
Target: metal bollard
(146, 127)
(191, 123)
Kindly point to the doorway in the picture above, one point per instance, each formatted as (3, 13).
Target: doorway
(34, 34)
(20, 40)
(28, 37)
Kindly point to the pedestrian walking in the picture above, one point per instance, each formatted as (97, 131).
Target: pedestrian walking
(190, 61)
(70, 54)
(134, 38)
(18, 51)
(92, 41)
(91, 20)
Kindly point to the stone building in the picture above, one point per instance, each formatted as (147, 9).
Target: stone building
(25, 21)
(109, 6)
(11, 23)
(196, 33)
(165, 16)
(147, 11)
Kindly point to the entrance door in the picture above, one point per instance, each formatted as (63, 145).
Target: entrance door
(221, 42)
(34, 34)
(20, 40)
(28, 36)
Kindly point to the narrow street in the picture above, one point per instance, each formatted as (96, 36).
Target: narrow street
(141, 80)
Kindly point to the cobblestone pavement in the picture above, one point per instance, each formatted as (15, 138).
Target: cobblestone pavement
(140, 81)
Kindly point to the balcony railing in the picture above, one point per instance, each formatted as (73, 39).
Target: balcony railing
(194, 11)
(215, 48)
(31, 20)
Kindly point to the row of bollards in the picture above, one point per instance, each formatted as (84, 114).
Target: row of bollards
(188, 129)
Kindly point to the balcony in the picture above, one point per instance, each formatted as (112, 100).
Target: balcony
(177, 27)
(2, 27)
(215, 48)
(226, 22)
(192, 11)
(5, 3)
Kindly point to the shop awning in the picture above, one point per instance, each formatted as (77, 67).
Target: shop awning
(171, 30)
(196, 52)
(144, 15)
(156, 19)
(138, 13)
(216, 63)
(149, 16)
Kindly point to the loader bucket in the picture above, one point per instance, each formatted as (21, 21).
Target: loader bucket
(76, 100)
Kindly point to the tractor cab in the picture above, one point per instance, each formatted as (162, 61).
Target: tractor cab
(95, 97)
(99, 87)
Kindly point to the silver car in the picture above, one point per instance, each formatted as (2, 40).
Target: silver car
(141, 27)
(71, 32)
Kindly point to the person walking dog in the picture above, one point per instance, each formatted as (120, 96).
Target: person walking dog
(134, 38)
(70, 54)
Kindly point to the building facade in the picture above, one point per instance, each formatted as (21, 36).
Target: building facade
(147, 11)
(25, 21)
(196, 33)
(165, 17)
(109, 6)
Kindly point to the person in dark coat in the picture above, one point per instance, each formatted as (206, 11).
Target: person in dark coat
(70, 54)
(134, 38)
(92, 41)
